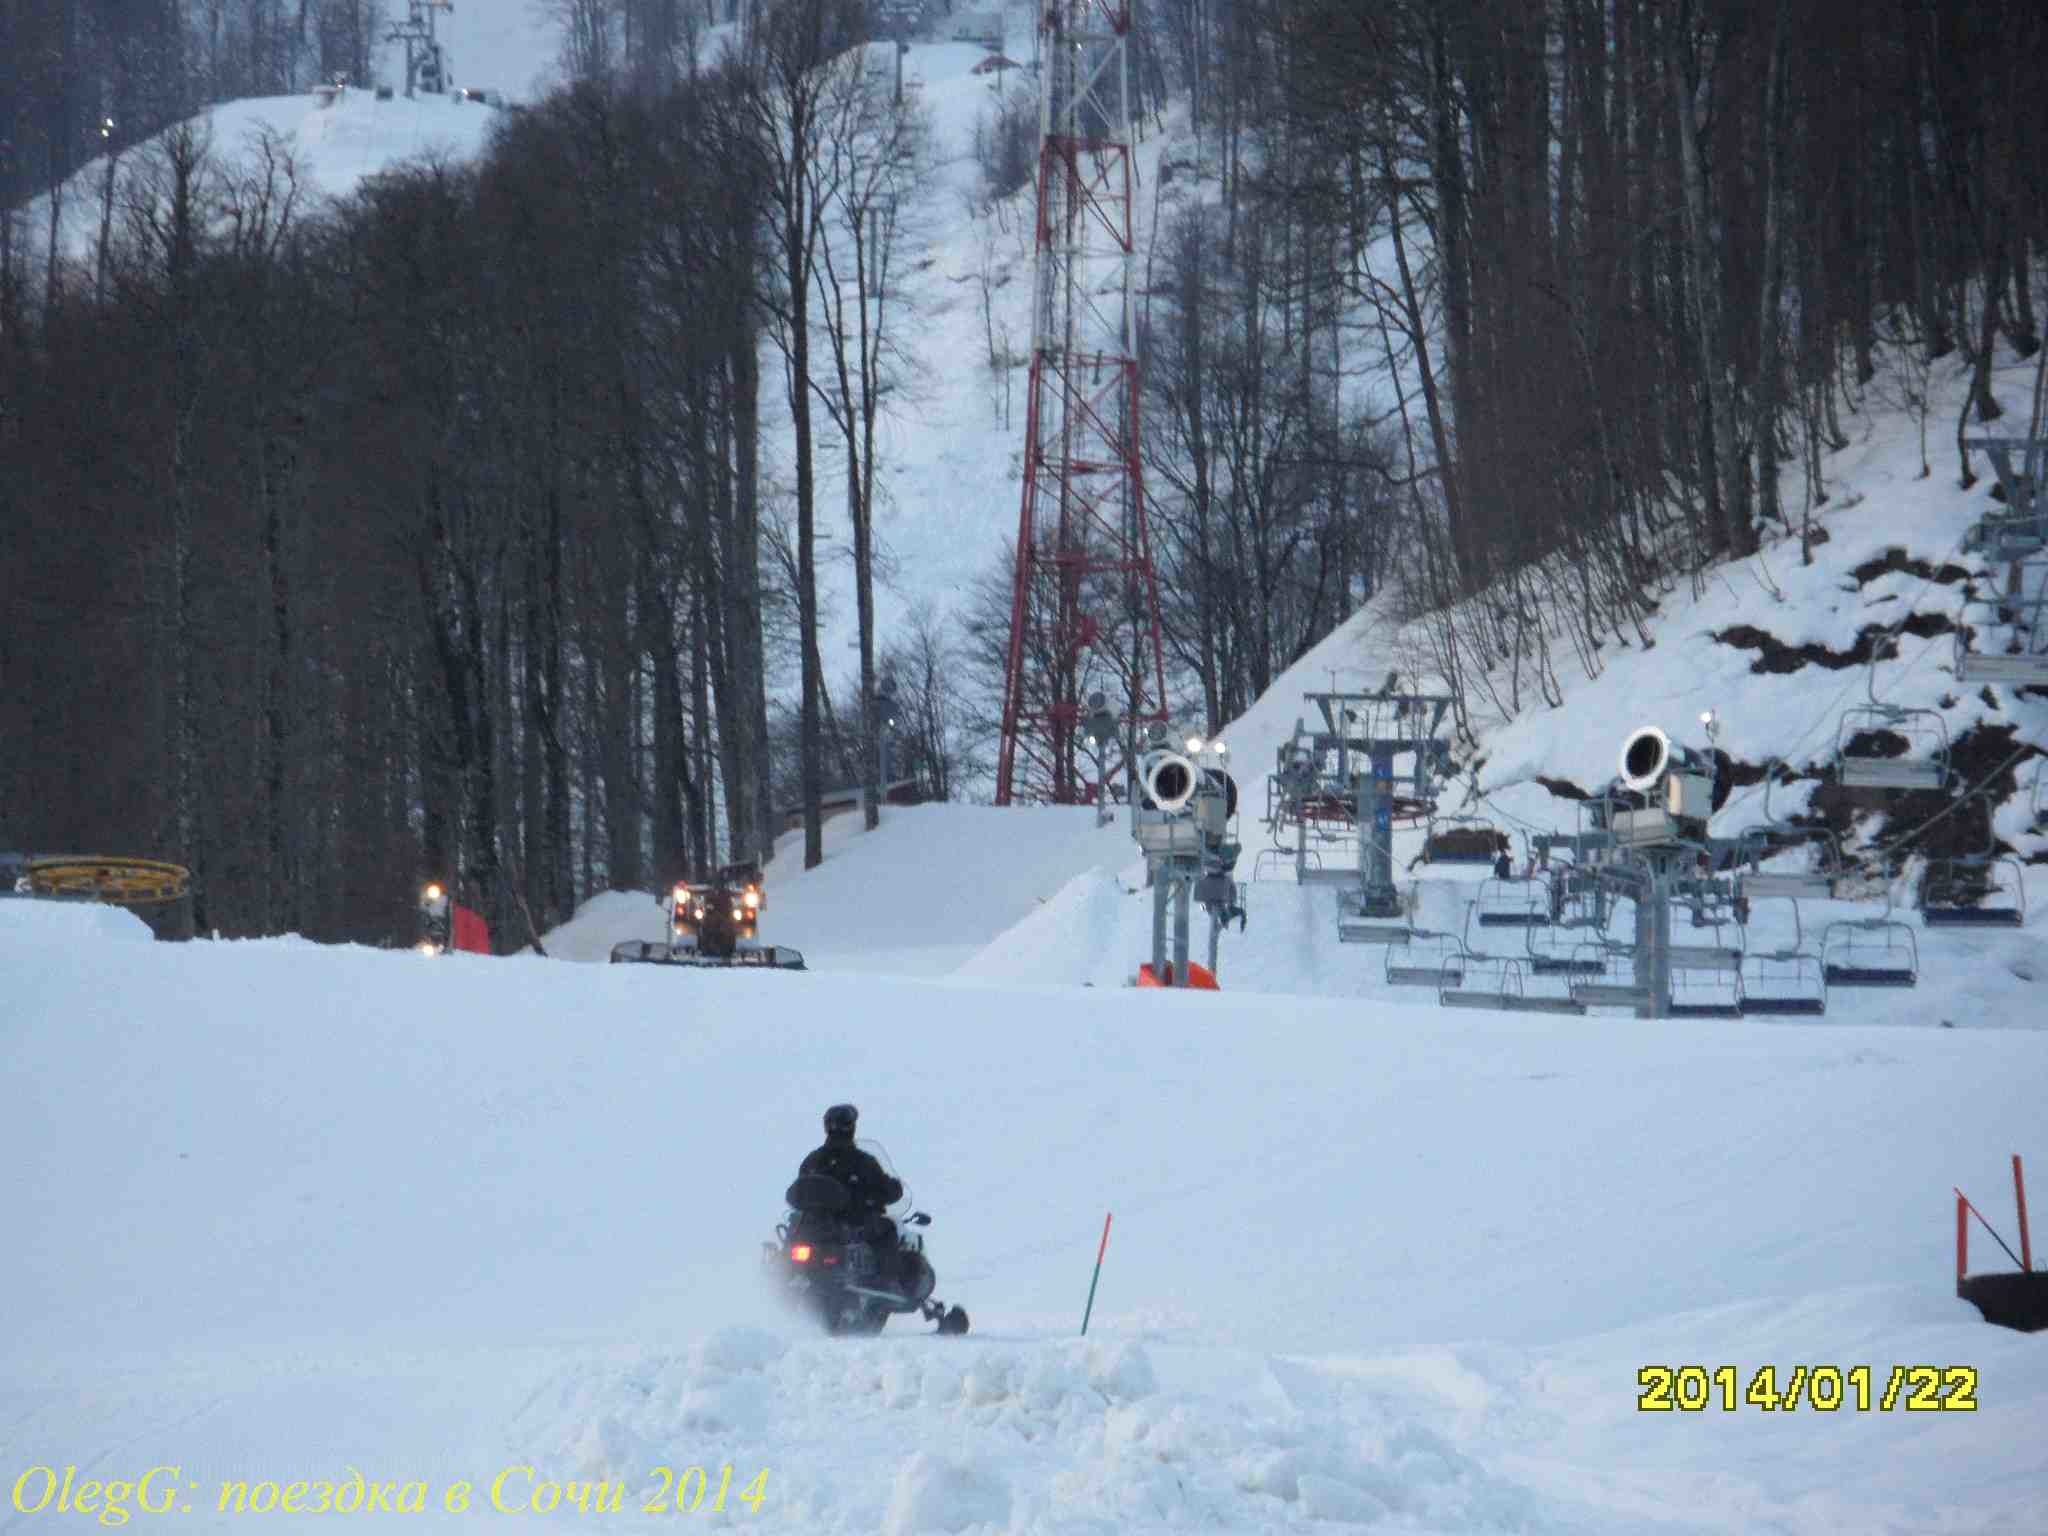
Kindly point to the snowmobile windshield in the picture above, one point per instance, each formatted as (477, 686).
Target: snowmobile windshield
(880, 1154)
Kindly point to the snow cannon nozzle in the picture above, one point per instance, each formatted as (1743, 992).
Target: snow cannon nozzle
(1649, 755)
(1169, 780)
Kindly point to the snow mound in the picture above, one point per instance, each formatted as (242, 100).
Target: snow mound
(936, 1493)
(608, 918)
(30, 923)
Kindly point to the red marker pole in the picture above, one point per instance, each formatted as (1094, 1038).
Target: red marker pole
(1962, 1238)
(1101, 1249)
(2019, 1189)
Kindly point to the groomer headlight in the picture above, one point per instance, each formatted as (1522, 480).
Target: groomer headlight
(1194, 743)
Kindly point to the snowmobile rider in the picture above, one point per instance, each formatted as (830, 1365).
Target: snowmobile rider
(870, 1187)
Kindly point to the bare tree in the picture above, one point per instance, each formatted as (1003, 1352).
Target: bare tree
(866, 173)
(784, 85)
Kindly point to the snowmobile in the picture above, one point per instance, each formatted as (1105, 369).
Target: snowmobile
(841, 1268)
(712, 924)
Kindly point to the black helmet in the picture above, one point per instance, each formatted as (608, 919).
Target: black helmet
(840, 1120)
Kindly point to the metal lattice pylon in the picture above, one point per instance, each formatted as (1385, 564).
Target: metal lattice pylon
(1084, 584)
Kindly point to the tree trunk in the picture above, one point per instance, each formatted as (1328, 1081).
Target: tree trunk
(1765, 428)
(1734, 533)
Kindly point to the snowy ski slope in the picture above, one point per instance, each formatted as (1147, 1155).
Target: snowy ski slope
(282, 1210)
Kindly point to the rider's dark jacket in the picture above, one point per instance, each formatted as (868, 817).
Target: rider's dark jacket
(868, 1184)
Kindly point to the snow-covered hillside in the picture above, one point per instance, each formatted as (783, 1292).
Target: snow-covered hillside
(508, 47)
(1878, 503)
(1099, 926)
(283, 1211)
(950, 436)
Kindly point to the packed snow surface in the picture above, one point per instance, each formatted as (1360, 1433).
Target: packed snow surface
(282, 1210)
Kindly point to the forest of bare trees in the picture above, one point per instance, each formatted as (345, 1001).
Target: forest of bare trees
(425, 535)
(430, 534)
(1626, 262)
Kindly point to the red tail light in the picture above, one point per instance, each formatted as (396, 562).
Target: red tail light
(800, 1252)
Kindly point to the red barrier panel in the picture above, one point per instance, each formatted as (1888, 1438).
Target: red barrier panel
(1200, 977)
(472, 933)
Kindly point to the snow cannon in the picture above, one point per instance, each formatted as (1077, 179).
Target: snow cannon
(1678, 783)
(1183, 822)
(1649, 755)
(1216, 781)
(1169, 780)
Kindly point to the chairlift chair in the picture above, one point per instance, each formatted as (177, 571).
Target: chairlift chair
(1520, 901)
(1614, 984)
(1784, 984)
(2018, 619)
(1704, 994)
(1462, 840)
(1706, 979)
(2016, 537)
(1556, 951)
(1870, 951)
(1496, 982)
(1922, 763)
(1756, 844)
(1281, 856)
(1428, 959)
(1364, 930)
(1562, 946)
(2020, 528)
(1358, 927)
(1579, 899)
(1787, 981)
(1956, 890)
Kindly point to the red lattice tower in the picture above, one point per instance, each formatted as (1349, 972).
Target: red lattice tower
(1085, 585)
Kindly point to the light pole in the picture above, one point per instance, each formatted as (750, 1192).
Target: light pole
(436, 932)
(99, 281)
(1100, 727)
(885, 722)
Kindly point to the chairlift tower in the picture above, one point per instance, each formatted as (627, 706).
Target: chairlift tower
(426, 65)
(1649, 844)
(1083, 486)
(1350, 766)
